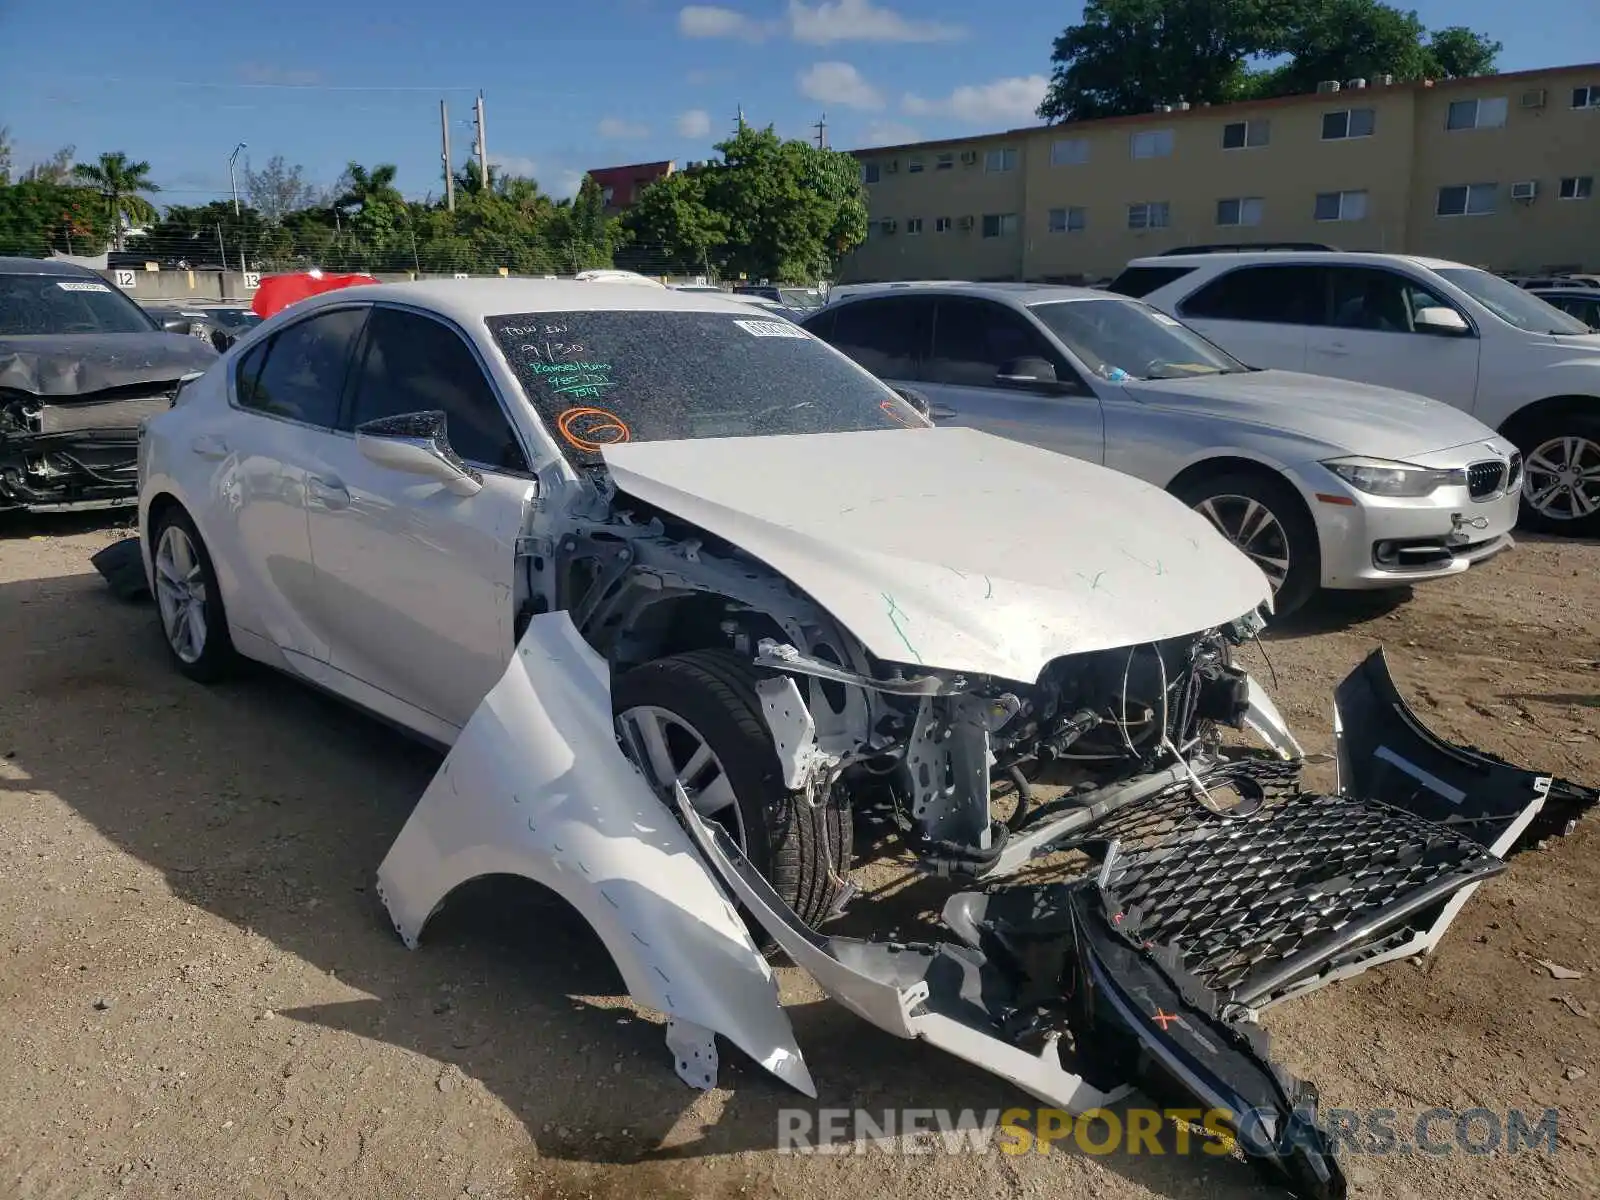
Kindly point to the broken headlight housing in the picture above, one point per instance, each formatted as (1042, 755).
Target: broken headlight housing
(1386, 477)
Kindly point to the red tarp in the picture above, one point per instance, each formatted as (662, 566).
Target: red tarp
(277, 292)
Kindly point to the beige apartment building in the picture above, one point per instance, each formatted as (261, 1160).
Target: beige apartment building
(1498, 171)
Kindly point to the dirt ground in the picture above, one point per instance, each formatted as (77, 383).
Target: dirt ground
(200, 995)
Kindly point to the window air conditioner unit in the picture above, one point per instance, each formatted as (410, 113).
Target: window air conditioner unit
(969, 157)
(890, 167)
(965, 224)
(1533, 98)
(1356, 84)
(1525, 191)
(890, 226)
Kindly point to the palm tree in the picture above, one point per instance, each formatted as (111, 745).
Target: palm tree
(370, 187)
(120, 181)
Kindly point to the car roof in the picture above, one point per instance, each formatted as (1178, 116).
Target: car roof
(1327, 257)
(1023, 293)
(10, 265)
(1576, 289)
(469, 301)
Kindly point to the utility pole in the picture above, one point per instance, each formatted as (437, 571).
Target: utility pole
(449, 168)
(233, 181)
(822, 132)
(483, 152)
(739, 127)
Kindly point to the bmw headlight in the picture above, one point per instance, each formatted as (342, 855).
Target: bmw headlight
(1385, 477)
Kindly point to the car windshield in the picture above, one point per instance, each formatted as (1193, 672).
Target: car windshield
(46, 304)
(801, 298)
(1512, 304)
(1122, 339)
(598, 378)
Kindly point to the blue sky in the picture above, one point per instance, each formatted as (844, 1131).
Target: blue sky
(567, 86)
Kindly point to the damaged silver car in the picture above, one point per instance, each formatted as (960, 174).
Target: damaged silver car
(694, 601)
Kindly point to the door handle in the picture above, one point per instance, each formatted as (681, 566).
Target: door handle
(209, 446)
(1337, 350)
(941, 412)
(330, 492)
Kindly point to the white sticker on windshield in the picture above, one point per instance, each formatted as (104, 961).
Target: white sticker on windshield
(74, 286)
(1163, 318)
(771, 329)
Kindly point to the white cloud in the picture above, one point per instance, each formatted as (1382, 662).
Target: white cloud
(515, 164)
(820, 24)
(566, 184)
(1005, 100)
(889, 133)
(838, 83)
(862, 21)
(709, 21)
(616, 129)
(695, 123)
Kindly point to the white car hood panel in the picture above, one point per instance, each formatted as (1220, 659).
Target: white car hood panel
(953, 548)
(1348, 417)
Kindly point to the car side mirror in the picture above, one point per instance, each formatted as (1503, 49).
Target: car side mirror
(1443, 322)
(914, 398)
(417, 444)
(1025, 371)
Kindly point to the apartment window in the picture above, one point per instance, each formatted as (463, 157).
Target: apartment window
(1349, 123)
(941, 224)
(1151, 143)
(1586, 97)
(1577, 187)
(1152, 214)
(914, 167)
(1245, 210)
(869, 172)
(1246, 135)
(1477, 114)
(1068, 220)
(607, 195)
(1341, 206)
(999, 224)
(913, 225)
(1468, 200)
(1069, 152)
(1000, 160)
(945, 162)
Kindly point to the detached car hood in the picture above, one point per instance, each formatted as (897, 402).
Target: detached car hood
(1354, 418)
(76, 364)
(955, 548)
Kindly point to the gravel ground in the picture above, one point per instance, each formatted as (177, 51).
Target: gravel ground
(200, 995)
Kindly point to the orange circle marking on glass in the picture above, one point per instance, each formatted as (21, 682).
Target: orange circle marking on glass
(590, 429)
(891, 409)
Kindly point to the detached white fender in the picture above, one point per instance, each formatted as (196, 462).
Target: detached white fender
(536, 786)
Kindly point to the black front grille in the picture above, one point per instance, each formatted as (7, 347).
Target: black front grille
(1485, 479)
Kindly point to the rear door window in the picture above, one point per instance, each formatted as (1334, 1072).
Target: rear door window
(1274, 294)
(889, 337)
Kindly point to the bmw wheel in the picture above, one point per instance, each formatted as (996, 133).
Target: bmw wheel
(1265, 519)
(188, 599)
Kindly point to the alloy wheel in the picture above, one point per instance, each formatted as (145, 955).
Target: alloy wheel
(181, 594)
(1251, 526)
(669, 750)
(1561, 478)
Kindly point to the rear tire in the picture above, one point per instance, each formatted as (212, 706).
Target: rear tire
(1561, 474)
(709, 696)
(1266, 519)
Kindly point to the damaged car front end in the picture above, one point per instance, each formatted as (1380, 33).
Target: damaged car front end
(80, 368)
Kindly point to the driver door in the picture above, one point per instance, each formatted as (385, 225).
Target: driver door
(415, 583)
(974, 341)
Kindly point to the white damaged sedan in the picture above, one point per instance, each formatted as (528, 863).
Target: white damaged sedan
(691, 597)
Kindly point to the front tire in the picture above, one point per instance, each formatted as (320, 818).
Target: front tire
(1265, 519)
(695, 718)
(193, 621)
(1561, 475)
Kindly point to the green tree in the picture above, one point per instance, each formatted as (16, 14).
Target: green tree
(210, 234)
(1458, 52)
(671, 229)
(5, 155)
(38, 217)
(55, 169)
(120, 181)
(1127, 56)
